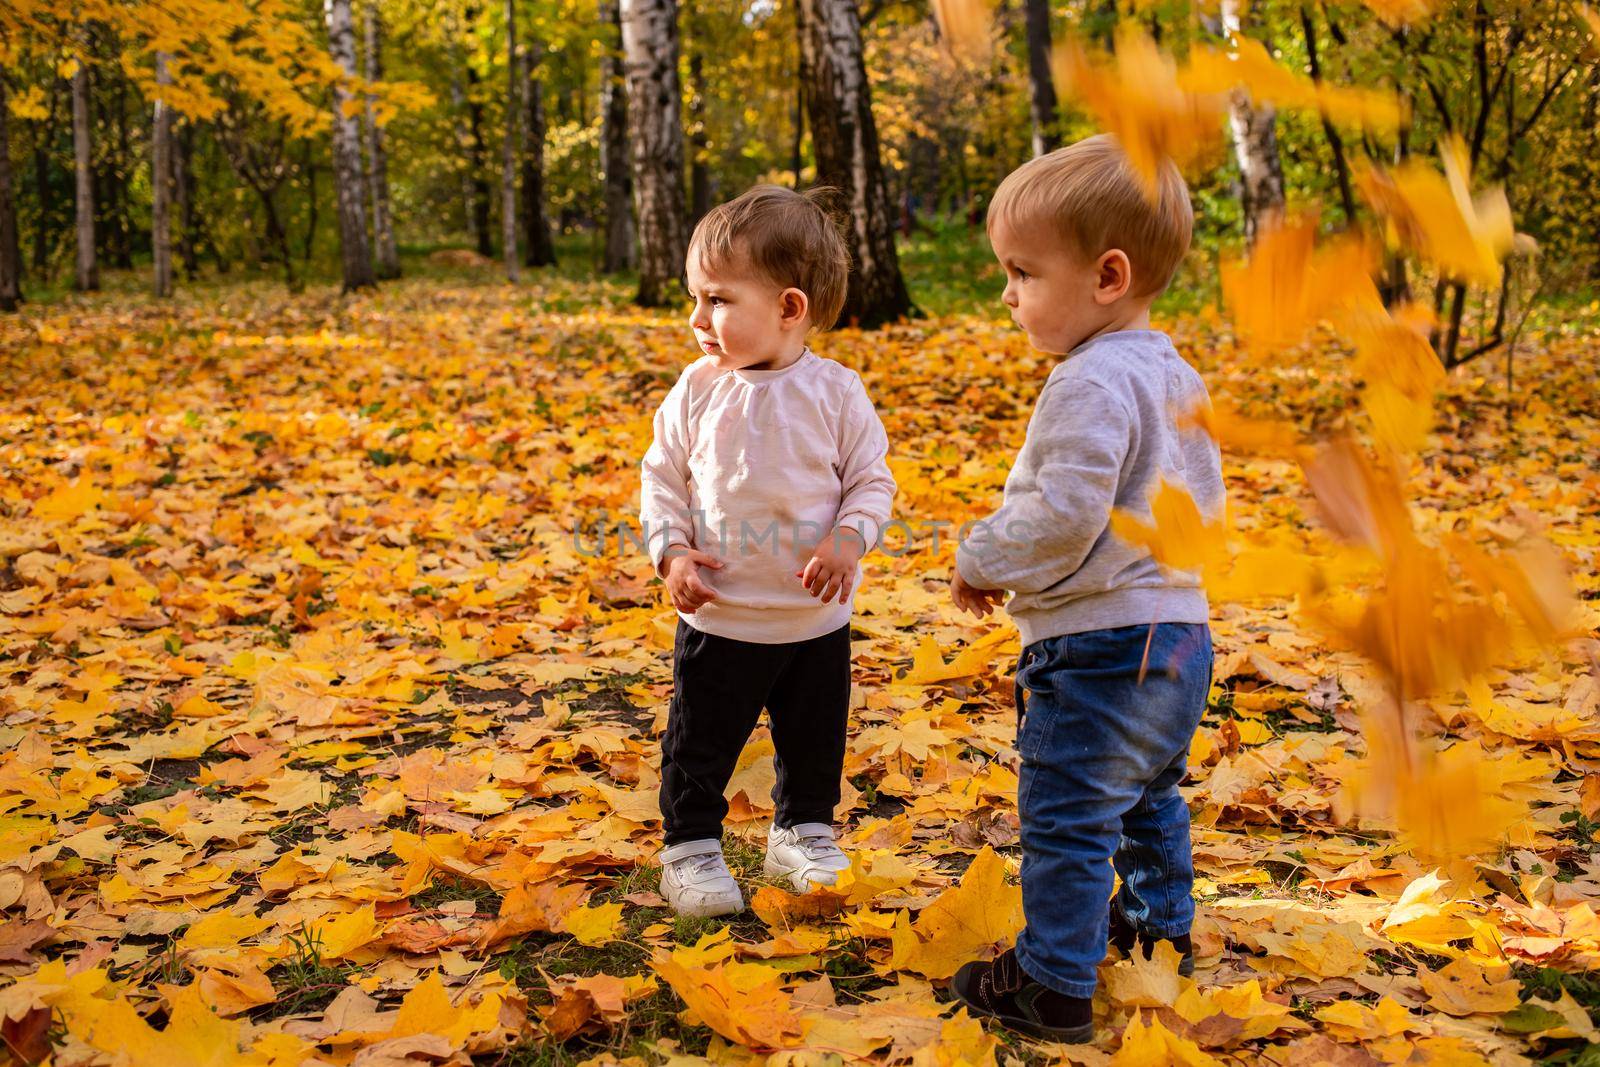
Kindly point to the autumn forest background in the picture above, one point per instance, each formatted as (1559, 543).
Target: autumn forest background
(330, 694)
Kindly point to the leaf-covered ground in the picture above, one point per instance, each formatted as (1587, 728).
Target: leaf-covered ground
(329, 706)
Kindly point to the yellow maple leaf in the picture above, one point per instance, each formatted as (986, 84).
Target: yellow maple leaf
(1178, 536)
(1153, 1045)
(1145, 982)
(430, 1009)
(343, 936)
(1137, 97)
(1247, 64)
(966, 27)
(69, 501)
(1287, 283)
(979, 914)
(1464, 987)
(594, 925)
(744, 1002)
(1401, 12)
(195, 1036)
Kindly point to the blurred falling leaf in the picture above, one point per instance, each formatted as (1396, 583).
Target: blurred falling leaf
(1438, 217)
(1138, 97)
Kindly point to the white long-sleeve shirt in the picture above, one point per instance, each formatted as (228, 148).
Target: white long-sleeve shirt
(756, 468)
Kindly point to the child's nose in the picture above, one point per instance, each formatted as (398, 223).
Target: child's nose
(1009, 296)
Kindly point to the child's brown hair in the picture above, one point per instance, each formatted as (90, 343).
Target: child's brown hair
(1089, 196)
(787, 236)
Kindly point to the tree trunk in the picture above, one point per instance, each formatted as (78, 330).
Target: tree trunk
(699, 170)
(540, 249)
(121, 228)
(88, 272)
(10, 255)
(347, 180)
(1341, 165)
(1042, 101)
(621, 249)
(161, 183)
(386, 256)
(650, 50)
(458, 106)
(183, 192)
(477, 160)
(844, 139)
(796, 150)
(508, 163)
(1255, 147)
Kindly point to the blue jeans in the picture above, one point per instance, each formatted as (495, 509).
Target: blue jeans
(1103, 750)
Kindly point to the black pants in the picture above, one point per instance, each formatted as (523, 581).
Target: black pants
(719, 688)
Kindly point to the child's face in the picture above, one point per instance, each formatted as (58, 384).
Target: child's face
(742, 320)
(1058, 297)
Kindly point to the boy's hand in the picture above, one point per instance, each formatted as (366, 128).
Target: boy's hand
(681, 570)
(832, 566)
(970, 598)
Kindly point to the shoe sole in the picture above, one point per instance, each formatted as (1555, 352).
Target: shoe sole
(708, 911)
(703, 911)
(1069, 1035)
(773, 869)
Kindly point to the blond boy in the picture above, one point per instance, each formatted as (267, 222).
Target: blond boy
(1116, 658)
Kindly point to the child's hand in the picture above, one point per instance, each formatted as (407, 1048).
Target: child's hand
(832, 566)
(970, 598)
(682, 574)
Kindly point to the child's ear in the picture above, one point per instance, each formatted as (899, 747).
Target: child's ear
(1114, 278)
(793, 307)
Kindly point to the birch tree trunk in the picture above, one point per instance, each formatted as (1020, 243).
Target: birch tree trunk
(844, 138)
(87, 275)
(541, 249)
(655, 125)
(1042, 98)
(1255, 148)
(161, 184)
(10, 254)
(621, 249)
(386, 256)
(347, 178)
(508, 168)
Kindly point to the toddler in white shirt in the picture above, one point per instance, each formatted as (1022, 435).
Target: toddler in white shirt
(765, 485)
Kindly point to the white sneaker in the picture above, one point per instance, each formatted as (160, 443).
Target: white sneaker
(804, 854)
(695, 879)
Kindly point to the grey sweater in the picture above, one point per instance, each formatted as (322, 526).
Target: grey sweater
(1103, 434)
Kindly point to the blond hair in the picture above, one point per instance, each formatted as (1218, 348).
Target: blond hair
(1088, 195)
(788, 237)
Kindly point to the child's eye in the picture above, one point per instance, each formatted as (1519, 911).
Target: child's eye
(716, 301)
(1022, 275)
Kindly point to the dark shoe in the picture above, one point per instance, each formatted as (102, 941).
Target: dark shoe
(1002, 990)
(1124, 934)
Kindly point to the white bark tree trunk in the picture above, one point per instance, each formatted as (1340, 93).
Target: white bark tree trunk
(347, 178)
(845, 140)
(655, 125)
(161, 183)
(87, 275)
(386, 256)
(508, 169)
(1255, 148)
